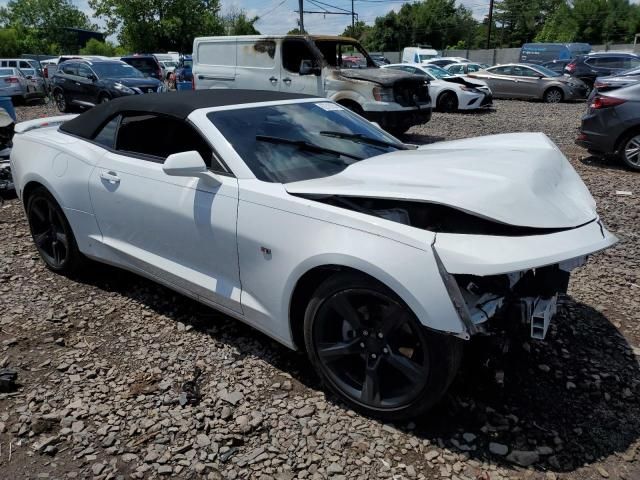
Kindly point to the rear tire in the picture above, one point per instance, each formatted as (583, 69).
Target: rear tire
(629, 150)
(52, 234)
(553, 95)
(447, 102)
(372, 352)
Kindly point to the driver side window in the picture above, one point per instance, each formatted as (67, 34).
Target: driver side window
(293, 53)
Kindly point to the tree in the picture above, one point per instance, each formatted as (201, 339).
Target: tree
(40, 25)
(358, 31)
(160, 25)
(9, 44)
(237, 23)
(521, 20)
(96, 47)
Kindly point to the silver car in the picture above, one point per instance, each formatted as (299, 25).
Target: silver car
(14, 84)
(517, 80)
(38, 83)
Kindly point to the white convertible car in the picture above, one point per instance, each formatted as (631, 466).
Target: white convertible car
(311, 224)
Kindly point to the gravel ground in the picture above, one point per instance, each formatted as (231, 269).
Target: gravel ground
(102, 359)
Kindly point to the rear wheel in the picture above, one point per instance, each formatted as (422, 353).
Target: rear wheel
(61, 101)
(553, 95)
(447, 102)
(629, 151)
(369, 349)
(52, 233)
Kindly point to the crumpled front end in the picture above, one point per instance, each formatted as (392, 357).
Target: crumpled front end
(522, 277)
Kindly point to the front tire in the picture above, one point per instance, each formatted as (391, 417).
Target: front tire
(373, 353)
(553, 95)
(629, 151)
(61, 101)
(52, 234)
(447, 102)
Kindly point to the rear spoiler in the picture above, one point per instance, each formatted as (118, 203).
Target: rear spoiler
(24, 127)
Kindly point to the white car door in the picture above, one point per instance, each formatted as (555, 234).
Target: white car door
(258, 64)
(179, 229)
(293, 52)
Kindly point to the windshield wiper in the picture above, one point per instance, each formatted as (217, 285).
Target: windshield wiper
(360, 138)
(305, 146)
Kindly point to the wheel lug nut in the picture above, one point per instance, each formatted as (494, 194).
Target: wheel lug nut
(365, 333)
(373, 355)
(385, 350)
(380, 335)
(361, 345)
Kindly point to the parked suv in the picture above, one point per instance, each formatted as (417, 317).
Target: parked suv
(85, 83)
(314, 65)
(601, 64)
(147, 64)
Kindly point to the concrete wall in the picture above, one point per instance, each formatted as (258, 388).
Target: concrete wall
(507, 55)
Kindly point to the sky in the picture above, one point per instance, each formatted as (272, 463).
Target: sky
(278, 16)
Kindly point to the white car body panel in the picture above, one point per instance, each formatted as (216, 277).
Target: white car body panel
(439, 86)
(242, 245)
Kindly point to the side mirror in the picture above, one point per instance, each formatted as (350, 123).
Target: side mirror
(307, 68)
(92, 77)
(185, 164)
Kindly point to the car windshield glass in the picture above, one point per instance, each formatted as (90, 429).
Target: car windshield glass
(424, 57)
(547, 72)
(301, 141)
(631, 71)
(436, 71)
(5, 72)
(28, 71)
(187, 63)
(116, 70)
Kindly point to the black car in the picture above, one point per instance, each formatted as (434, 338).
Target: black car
(588, 67)
(147, 64)
(612, 125)
(557, 66)
(85, 83)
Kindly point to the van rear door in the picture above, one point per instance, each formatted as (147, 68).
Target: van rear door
(214, 63)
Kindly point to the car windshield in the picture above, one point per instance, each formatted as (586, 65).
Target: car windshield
(28, 71)
(424, 57)
(632, 71)
(547, 72)
(6, 72)
(436, 71)
(116, 70)
(301, 141)
(187, 63)
(169, 64)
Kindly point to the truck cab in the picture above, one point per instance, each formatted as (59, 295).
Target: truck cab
(314, 65)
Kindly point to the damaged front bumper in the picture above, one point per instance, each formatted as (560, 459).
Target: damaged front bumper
(491, 276)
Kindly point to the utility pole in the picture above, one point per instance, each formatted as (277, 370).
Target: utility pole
(490, 24)
(353, 20)
(301, 23)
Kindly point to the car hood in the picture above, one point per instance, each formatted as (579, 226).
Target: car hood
(519, 179)
(384, 77)
(135, 82)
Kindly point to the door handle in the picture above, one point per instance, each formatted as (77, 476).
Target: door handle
(110, 177)
(273, 80)
(286, 80)
(77, 83)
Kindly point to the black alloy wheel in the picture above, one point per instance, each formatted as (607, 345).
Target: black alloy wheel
(370, 349)
(448, 102)
(61, 102)
(51, 233)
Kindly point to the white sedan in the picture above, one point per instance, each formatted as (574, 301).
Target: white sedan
(302, 219)
(448, 92)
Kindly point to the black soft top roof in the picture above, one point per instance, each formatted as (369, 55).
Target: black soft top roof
(173, 104)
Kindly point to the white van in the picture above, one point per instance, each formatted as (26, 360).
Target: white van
(314, 65)
(418, 54)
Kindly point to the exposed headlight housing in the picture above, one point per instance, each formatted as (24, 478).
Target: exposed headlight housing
(124, 89)
(383, 94)
(469, 89)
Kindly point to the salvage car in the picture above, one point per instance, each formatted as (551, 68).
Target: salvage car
(517, 80)
(315, 65)
(450, 92)
(612, 82)
(80, 83)
(297, 216)
(612, 125)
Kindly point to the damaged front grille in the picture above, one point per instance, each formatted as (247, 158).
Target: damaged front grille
(409, 93)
